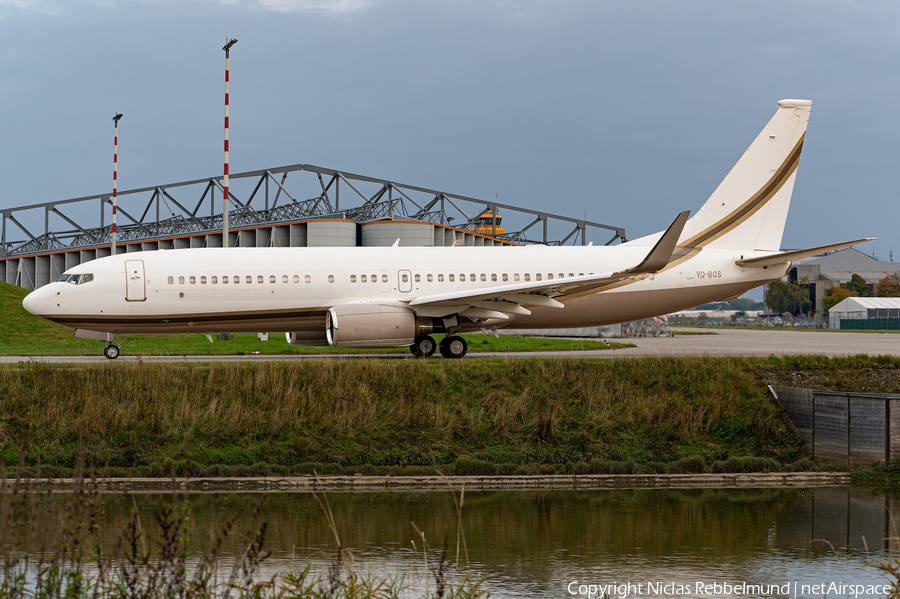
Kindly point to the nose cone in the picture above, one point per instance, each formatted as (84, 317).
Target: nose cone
(38, 301)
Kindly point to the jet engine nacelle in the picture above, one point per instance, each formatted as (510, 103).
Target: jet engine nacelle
(307, 338)
(372, 325)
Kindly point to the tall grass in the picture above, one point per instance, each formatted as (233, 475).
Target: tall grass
(410, 417)
(55, 549)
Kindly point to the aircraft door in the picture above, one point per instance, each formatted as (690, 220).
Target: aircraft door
(135, 286)
(404, 281)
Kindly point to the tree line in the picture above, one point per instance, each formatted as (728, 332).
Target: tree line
(794, 297)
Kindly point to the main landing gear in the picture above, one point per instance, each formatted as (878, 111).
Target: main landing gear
(423, 347)
(450, 347)
(453, 346)
(111, 351)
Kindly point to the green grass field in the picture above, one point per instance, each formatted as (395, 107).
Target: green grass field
(22, 334)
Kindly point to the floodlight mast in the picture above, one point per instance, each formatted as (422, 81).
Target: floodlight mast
(116, 120)
(225, 197)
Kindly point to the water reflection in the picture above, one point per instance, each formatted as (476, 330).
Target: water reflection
(534, 544)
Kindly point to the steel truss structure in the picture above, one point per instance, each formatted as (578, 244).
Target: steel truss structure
(275, 204)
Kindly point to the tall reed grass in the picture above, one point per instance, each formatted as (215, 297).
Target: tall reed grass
(385, 417)
(52, 547)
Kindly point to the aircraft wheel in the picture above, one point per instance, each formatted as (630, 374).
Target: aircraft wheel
(454, 347)
(414, 350)
(425, 346)
(111, 352)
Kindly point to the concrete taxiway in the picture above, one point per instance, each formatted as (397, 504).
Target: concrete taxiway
(742, 342)
(725, 342)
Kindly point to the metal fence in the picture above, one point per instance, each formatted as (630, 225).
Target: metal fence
(870, 324)
(771, 321)
(857, 429)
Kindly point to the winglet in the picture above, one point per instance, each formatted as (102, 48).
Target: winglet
(661, 253)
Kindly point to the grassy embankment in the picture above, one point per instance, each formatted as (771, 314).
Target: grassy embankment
(412, 417)
(417, 417)
(22, 334)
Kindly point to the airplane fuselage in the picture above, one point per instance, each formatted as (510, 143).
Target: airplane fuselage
(390, 297)
(291, 289)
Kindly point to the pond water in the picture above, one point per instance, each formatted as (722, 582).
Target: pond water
(662, 542)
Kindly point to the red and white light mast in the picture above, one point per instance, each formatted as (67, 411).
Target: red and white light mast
(225, 197)
(115, 176)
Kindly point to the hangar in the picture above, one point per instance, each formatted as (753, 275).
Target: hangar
(41, 241)
(831, 270)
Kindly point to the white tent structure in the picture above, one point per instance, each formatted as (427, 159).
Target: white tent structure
(863, 308)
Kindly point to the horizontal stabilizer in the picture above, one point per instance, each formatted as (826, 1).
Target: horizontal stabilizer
(783, 257)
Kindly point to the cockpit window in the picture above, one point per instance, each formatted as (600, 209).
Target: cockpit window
(75, 279)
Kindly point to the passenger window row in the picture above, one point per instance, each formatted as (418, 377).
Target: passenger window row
(248, 279)
(494, 277)
(369, 278)
(260, 279)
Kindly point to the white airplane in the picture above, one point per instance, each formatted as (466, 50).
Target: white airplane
(401, 296)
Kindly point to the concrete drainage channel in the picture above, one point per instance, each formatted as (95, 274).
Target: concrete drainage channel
(308, 484)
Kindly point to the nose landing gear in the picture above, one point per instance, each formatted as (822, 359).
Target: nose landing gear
(111, 351)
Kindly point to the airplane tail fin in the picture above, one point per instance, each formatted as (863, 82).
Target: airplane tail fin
(749, 208)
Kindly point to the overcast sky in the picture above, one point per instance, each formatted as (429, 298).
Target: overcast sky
(627, 112)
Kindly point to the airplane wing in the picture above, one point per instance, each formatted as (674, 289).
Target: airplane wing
(783, 257)
(500, 300)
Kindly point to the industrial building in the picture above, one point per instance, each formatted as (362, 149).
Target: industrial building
(342, 209)
(866, 313)
(821, 273)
